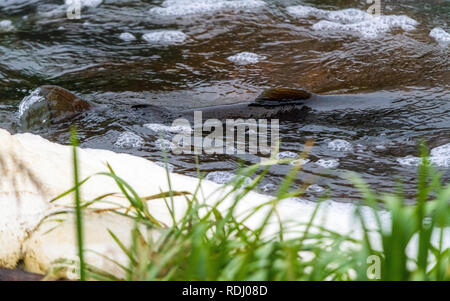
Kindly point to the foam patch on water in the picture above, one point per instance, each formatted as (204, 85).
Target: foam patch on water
(440, 35)
(224, 177)
(331, 163)
(353, 21)
(6, 25)
(127, 37)
(340, 145)
(244, 58)
(195, 7)
(315, 188)
(88, 3)
(269, 187)
(165, 37)
(370, 28)
(302, 11)
(287, 155)
(439, 156)
(129, 140)
(29, 100)
(158, 128)
(164, 145)
(298, 162)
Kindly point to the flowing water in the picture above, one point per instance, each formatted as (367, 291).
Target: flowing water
(190, 53)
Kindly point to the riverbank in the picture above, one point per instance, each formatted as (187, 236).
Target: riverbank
(35, 171)
(37, 220)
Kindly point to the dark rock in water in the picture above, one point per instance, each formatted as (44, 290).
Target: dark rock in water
(18, 275)
(50, 104)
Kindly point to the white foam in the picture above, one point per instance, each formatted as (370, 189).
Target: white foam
(340, 145)
(6, 25)
(300, 162)
(287, 155)
(194, 7)
(127, 37)
(354, 20)
(158, 128)
(164, 144)
(29, 100)
(88, 3)
(331, 163)
(350, 15)
(302, 11)
(165, 37)
(315, 188)
(224, 177)
(439, 156)
(371, 28)
(244, 58)
(440, 35)
(129, 140)
(269, 187)
(380, 147)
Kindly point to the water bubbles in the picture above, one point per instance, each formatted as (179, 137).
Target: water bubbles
(245, 58)
(165, 37)
(175, 8)
(225, 177)
(353, 20)
(330, 163)
(302, 11)
(129, 140)
(440, 35)
(340, 145)
(269, 188)
(158, 128)
(299, 162)
(127, 37)
(286, 155)
(314, 188)
(439, 156)
(164, 144)
(6, 25)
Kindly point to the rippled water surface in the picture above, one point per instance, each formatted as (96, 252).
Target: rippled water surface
(193, 53)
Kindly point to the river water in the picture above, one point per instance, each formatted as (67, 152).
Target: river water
(191, 53)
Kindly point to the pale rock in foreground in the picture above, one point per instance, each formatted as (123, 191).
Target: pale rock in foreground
(34, 171)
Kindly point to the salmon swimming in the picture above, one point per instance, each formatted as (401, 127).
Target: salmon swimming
(52, 104)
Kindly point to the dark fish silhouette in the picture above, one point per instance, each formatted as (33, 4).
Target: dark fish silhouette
(50, 104)
(55, 104)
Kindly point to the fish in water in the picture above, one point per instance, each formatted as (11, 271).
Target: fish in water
(52, 104)
(49, 105)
